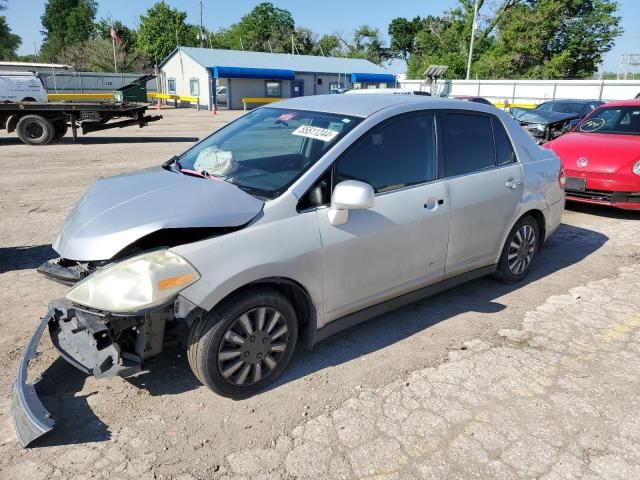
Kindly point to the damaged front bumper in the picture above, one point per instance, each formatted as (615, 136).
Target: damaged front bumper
(96, 343)
(30, 419)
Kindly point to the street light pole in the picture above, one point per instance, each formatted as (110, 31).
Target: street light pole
(473, 35)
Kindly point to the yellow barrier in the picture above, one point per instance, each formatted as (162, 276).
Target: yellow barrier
(246, 100)
(175, 98)
(519, 105)
(80, 96)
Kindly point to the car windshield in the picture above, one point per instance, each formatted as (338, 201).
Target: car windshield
(561, 107)
(621, 120)
(265, 151)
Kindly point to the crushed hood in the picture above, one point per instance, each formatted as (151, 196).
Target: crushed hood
(117, 211)
(533, 115)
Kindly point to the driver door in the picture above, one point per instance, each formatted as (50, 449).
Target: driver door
(400, 244)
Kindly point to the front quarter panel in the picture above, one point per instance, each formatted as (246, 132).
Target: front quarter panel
(286, 247)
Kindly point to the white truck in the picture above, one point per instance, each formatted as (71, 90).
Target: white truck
(22, 87)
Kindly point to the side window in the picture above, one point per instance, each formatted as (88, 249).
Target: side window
(504, 149)
(171, 85)
(468, 143)
(396, 154)
(194, 87)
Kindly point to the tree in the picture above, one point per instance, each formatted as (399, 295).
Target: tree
(66, 22)
(266, 28)
(403, 34)
(366, 43)
(553, 39)
(102, 29)
(9, 42)
(519, 38)
(328, 46)
(162, 29)
(96, 55)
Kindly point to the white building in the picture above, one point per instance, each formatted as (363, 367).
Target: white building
(225, 77)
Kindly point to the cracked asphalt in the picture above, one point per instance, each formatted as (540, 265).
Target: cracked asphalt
(557, 399)
(535, 380)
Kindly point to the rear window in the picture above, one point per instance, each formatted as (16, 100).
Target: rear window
(468, 143)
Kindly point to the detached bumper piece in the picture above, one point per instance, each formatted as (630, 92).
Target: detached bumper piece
(30, 419)
(98, 344)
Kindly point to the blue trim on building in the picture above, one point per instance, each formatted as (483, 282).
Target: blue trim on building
(261, 73)
(372, 78)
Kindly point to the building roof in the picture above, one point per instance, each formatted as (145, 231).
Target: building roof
(211, 57)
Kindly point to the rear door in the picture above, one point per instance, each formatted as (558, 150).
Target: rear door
(485, 183)
(400, 244)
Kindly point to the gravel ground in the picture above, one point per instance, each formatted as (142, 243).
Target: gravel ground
(538, 379)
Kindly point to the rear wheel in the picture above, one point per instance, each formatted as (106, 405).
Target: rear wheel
(35, 130)
(519, 250)
(244, 345)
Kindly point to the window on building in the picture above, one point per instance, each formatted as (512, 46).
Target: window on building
(194, 87)
(319, 81)
(468, 143)
(273, 89)
(171, 85)
(396, 154)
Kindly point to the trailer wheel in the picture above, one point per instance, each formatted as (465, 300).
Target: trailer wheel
(61, 128)
(35, 130)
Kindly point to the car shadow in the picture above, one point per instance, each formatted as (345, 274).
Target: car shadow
(567, 246)
(602, 211)
(106, 140)
(75, 421)
(23, 258)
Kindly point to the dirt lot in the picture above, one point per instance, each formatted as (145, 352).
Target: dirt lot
(166, 425)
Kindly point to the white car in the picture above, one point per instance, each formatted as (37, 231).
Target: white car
(22, 87)
(387, 91)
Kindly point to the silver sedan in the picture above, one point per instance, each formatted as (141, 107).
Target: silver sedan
(290, 224)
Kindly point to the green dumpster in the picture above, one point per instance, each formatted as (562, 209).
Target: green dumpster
(135, 91)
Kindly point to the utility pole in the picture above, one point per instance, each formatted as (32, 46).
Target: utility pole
(201, 34)
(473, 35)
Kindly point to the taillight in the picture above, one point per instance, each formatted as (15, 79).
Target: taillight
(562, 179)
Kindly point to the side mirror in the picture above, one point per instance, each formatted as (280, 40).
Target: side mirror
(349, 195)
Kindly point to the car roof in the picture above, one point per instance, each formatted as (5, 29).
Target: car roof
(623, 103)
(367, 105)
(569, 100)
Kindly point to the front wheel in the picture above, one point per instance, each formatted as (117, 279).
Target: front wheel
(244, 344)
(35, 130)
(519, 250)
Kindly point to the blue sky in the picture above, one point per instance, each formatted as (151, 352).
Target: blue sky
(327, 16)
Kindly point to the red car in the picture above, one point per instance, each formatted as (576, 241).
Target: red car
(601, 156)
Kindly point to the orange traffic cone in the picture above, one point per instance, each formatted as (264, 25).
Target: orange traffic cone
(158, 104)
(213, 109)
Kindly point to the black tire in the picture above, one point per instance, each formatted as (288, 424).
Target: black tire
(220, 362)
(35, 130)
(523, 241)
(61, 128)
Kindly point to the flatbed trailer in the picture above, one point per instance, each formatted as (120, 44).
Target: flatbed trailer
(40, 123)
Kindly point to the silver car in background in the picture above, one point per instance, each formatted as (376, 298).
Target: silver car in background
(290, 224)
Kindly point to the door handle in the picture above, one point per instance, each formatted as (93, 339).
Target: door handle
(513, 184)
(432, 203)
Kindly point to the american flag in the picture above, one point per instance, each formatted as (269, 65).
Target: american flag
(115, 36)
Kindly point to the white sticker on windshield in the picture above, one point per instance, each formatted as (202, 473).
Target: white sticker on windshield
(316, 133)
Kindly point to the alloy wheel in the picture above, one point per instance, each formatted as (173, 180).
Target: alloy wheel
(521, 249)
(252, 346)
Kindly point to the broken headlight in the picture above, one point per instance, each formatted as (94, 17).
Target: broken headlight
(135, 284)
